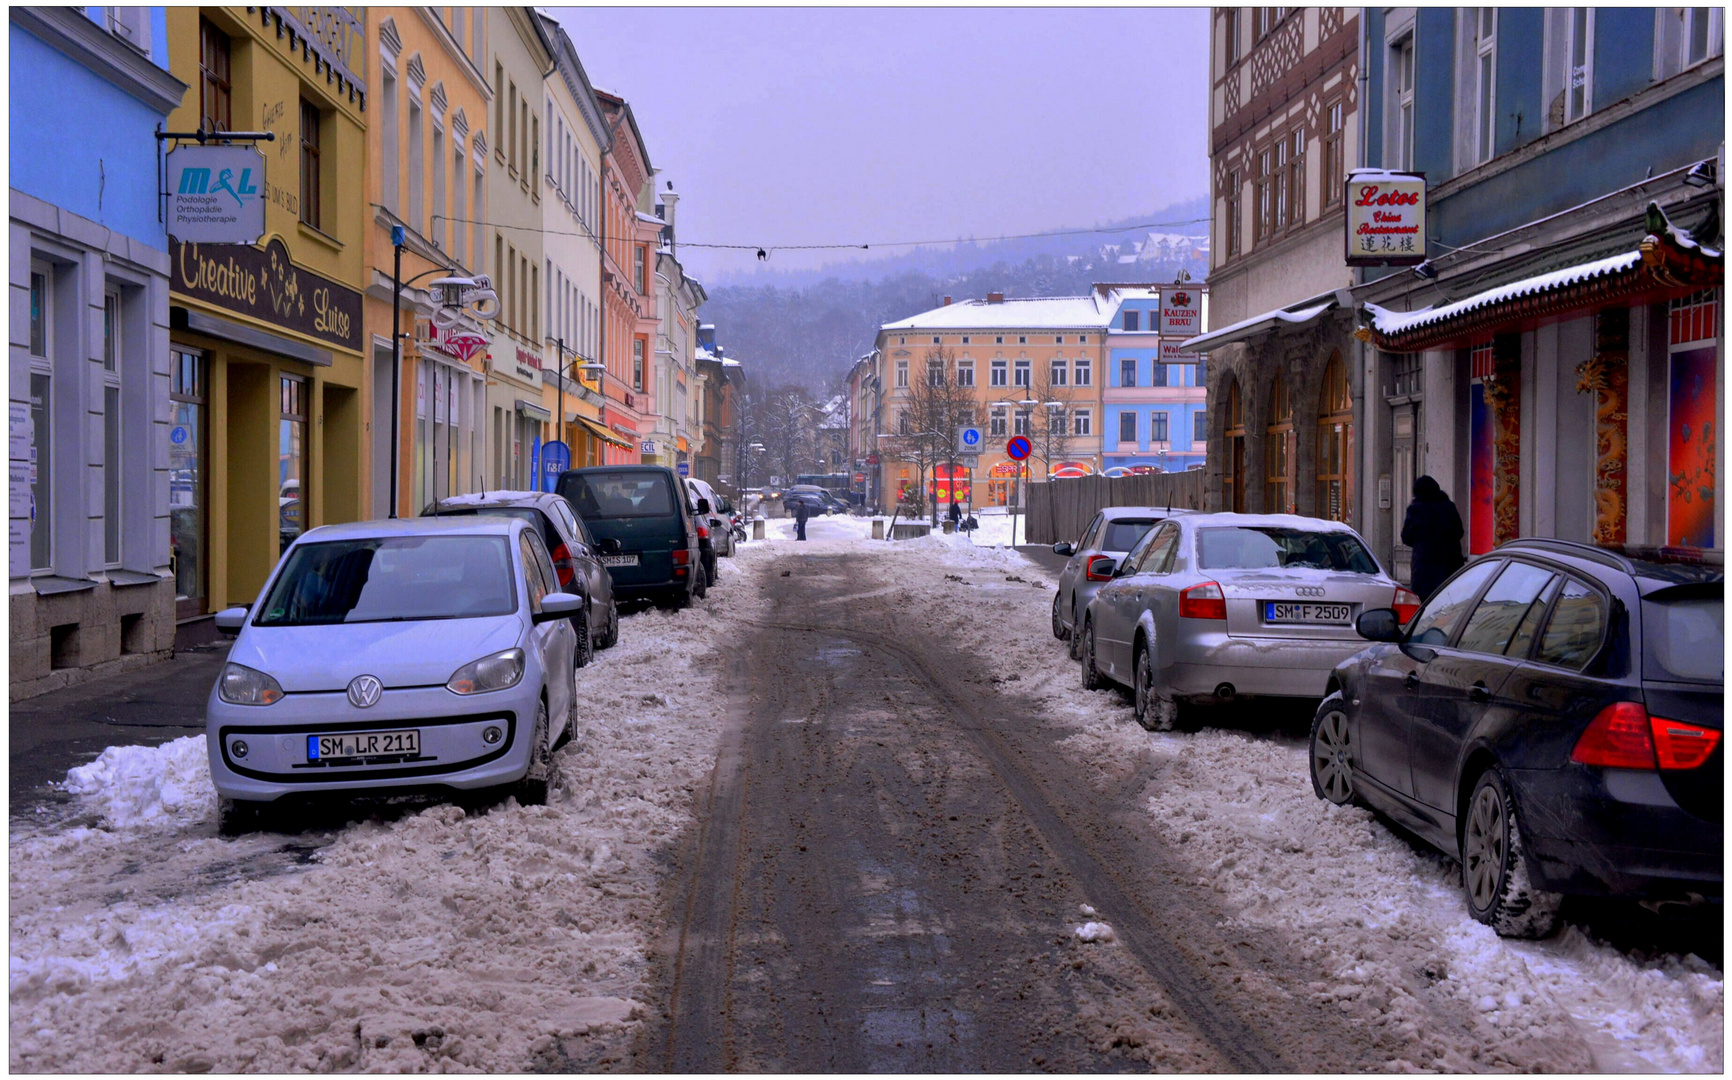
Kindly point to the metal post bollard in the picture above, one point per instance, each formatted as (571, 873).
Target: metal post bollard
(757, 528)
(877, 528)
(949, 527)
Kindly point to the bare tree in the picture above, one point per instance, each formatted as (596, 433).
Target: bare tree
(924, 420)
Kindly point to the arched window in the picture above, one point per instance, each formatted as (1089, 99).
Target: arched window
(1334, 443)
(1278, 451)
(1233, 476)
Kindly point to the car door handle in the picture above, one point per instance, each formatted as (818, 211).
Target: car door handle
(1478, 692)
(1412, 680)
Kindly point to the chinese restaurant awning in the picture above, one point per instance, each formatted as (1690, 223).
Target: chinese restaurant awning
(600, 432)
(1668, 261)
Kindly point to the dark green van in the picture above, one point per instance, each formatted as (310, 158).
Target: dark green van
(644, 531)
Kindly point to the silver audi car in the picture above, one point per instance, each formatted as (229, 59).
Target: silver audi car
(1214, 607)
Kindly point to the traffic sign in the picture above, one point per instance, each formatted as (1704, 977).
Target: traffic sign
(1019, 447)
(968, 461)
(684, 468)
(969, 439)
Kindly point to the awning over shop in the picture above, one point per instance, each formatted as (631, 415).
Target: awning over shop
(600, 432)
(1668, 260)
(534, 411)
(1070, 470)
(1287, 318)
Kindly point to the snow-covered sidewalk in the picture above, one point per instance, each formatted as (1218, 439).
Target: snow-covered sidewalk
(504, 942)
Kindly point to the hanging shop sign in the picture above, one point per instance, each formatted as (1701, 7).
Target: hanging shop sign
(1173, 352)
(1385, 218)
(216, 194)
(1182, 311)
(265, 284)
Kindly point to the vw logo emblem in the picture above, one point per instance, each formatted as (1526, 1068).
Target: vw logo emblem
(1309, 590)
(364, 691)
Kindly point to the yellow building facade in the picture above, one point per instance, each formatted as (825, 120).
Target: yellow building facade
(268, 368)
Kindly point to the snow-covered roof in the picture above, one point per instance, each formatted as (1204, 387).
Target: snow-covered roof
(1256, 324)
(1033, 313)
(651, 218)
(728, 361)
(1385, 321)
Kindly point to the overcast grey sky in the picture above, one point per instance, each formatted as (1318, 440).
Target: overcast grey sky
(869, 125)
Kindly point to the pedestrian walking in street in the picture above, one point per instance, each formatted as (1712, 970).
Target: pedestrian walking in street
(1433, 530)
(801, 513)
(955, 514)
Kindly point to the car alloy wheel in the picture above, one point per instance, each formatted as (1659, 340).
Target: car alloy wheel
(1154, 712)
(1332, 753)
(1076, 634)
(532, 789)
(584, 651)
(1091, 678)
(1494, 866)
(1057, 623)
(610, 636)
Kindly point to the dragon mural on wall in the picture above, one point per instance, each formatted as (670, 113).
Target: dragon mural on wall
(1606, 375)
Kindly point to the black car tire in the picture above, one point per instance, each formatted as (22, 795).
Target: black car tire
(1075, 633)
(701, 583)
(1091, 679)
(610, 636)
(237, 817)
(1058, 630)
(1332, 753)
(532, 789)
(584, 651)
(1494, 865)
(1154, 712)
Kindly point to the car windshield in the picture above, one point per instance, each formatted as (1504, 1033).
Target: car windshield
(618, 494)
(1684, 634)
(1257, 547)
(395, 579)
(1123, 534)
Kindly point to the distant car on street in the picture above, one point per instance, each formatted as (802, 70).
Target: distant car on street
(645, 530)
(1215, 607)
(1106, 540)
(714, 515)
(395, 654)
(816, 505)
(1552, 718)
(575, 560)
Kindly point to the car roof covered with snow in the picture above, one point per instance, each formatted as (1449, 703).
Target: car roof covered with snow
(498, 498)
(469, 524)
(1119, 513)
(1284, 521)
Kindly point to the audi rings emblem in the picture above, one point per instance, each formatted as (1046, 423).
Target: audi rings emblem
(1309, 590)
(364, 691)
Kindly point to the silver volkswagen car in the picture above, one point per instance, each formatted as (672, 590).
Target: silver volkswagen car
(1213, 607)
(1113, 532)
(392, 654)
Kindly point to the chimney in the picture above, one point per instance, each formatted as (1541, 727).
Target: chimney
(946, 301)
(995, 298)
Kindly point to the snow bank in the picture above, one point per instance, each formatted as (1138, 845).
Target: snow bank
(514, 940)
(132, 786)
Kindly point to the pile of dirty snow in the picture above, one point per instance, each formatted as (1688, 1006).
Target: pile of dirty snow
(130, 786)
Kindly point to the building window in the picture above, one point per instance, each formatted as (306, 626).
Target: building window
(1199, 426)
(1159, 370)
(965, 339)
(1278, 451)
(1263, 221)
(1127, 427)
(1283, 178)
(1233, 469)
(1133, 320)
(1022, 339)
(41, 412)
(902, 425)
(1060, 373)
(1485, 84)
(1401, 61)
(1001, 339)
(638, 267)
(1579, 64)
(1334, 159)
(215, 94)
(1023, 369)
(417, 169)
(391, 186)
(1127, 373)
(1082, 422)
(1084, 373)
(1295, 185)
(996, 423)
(1058, 340)
(291, 459)
(1703, 34)
(1021, 425)
(186, 494)
(1158, 426)
(1000, 372)
(965, 373)
(637, 362)
(934, 373)
(901, 374)
(112, 348)
(1057, 423)
(935, 339)
(1230, 35)
(310, 139)
(1231, 211)
(1334, 443)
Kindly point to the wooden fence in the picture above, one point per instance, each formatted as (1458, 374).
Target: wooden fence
(1061, 509)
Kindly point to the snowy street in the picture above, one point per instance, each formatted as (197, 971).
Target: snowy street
(852, 812)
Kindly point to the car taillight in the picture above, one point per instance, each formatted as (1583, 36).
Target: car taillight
(682, 556)
(1205, 601)
(1617, 738)
(1406, 605)
(703, 532)
(1103, 574)
(564, 565)
(1682, 746)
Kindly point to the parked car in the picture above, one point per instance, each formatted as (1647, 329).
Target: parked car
(831, 503)
(1210, 608)
(392, 654)
(575, 561)
(714, 513)
(643, 528)
(1552, 719)
(1107, 540)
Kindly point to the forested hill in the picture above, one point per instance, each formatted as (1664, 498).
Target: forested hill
(808, 327)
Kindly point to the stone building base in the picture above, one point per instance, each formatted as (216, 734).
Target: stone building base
(68, 638)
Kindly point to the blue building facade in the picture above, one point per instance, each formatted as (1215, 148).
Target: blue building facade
(90, 583)
(1152, 412)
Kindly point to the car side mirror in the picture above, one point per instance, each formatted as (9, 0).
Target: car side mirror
(703, 506)
(1378, 624)
(557, 605)
(1063, 548)
(607, 546)
(230, 620)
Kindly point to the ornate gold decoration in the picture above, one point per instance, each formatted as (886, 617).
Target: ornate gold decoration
(1607, 376)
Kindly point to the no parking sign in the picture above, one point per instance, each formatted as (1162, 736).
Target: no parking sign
(1019, 448)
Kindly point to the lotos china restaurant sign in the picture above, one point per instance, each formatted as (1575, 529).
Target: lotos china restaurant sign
(1385, 218)
(265, 284)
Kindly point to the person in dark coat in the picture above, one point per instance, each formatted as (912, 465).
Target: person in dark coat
(1433, 530)
(801, 512)
(955, 514)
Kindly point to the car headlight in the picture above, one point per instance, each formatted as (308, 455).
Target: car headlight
(241, 685)
(496, 672)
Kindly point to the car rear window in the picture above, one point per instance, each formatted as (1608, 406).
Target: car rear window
(395, 579)
(1684, 635)
(618, 494)
(1123, 534)
(1256, 547)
